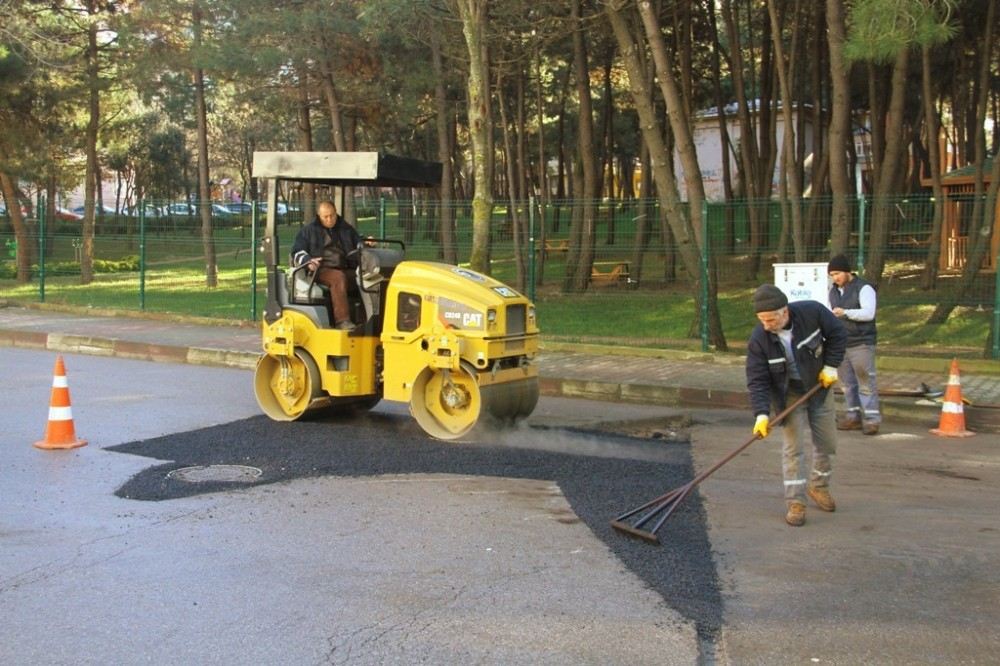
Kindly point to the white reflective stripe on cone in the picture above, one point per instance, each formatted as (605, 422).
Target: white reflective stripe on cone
(59, 381)
(60, 413)
(952, 408)
(797, 482)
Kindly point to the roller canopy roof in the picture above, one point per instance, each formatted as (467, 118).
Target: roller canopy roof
(337, 168)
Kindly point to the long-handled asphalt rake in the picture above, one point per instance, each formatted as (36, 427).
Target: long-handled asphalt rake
(664, 505)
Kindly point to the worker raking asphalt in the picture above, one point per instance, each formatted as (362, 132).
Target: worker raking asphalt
(681, 570)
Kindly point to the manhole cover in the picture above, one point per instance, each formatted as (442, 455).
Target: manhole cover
(225, 473)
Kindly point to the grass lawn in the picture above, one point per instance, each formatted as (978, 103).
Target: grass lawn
(654, 315)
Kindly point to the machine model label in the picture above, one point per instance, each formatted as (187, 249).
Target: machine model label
(459, 315)
(506, 291)
(472, 275)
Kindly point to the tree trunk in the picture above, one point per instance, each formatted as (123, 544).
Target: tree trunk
(475, 19)
(582, 243)
(748, 145)
(337, 133)
(512, 194)
(544, 196)
(725, 141)
(449, 251)
(886, 179)
(304, 128)
(681, 127)
(660, 157)
(930, 273)
(90, 147)
(21, 237)
(790, 166)
(642, 214)
(521, 224)
(205, 193)
(982, 224)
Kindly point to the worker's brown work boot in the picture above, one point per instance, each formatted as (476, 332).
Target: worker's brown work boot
(796, 516)
(847, 423)
(870, 429)
(822, 498)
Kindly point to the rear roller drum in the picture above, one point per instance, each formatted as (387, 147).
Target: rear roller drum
(286, 386)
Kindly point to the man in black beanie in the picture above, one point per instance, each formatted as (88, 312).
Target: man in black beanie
(794, 347)
(854, 302)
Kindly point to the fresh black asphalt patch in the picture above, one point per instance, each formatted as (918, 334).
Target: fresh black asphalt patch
(598, 488)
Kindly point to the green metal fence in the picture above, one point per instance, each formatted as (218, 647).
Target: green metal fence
(640, 291)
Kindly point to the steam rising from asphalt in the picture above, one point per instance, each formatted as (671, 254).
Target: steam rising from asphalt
(580, 443)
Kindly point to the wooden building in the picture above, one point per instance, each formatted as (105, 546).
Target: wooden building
(959, 187)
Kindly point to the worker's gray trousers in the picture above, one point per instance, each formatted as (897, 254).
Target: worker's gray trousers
(857, 377)
(814, 422)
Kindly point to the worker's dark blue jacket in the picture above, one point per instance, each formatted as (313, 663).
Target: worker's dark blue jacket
(314, 238)
(818, 339)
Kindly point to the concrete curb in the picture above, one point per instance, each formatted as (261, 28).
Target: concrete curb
(978, 419)
(883, 361)
(143, 351)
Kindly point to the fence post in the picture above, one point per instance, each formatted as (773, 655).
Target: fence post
(142, 254)
(860, 263)
(531, 247)
(253, 261)
(704, 275)
(996, 308)
(40, 214)
(381, 215)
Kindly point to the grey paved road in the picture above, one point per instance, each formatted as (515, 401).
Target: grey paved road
(905, 572)
(388, 568)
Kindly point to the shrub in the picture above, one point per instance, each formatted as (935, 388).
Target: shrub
(130, 263)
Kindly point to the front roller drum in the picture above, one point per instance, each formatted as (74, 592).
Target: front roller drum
(447, 405)
(285, 386)
(509, 402)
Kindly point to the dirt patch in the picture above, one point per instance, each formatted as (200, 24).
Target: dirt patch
(672, 429)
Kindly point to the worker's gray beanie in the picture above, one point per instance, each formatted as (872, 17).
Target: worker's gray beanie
(768, 298)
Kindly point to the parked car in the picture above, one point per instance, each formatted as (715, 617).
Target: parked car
(108, 210)
(66, 215)
(220, 210)
(239, 208)
(149, 211)
(281, 208)
(180, 208)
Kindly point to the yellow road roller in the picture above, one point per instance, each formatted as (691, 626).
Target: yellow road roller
(456, 345)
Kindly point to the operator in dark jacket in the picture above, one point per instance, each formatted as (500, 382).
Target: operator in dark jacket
(794, 347)
(328, 245)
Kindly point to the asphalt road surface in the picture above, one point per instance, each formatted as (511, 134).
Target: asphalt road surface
(361, 541)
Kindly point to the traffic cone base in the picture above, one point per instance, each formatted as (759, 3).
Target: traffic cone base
(952, 423)
(60, 433)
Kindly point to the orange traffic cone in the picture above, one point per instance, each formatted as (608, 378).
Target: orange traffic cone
(952, 422)
(60, 433)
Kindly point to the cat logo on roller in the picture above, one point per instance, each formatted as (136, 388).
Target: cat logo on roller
(456, 345)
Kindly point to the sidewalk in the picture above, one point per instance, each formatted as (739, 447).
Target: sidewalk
(680, 379)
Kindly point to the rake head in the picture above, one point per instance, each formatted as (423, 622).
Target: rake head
(658, 509)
